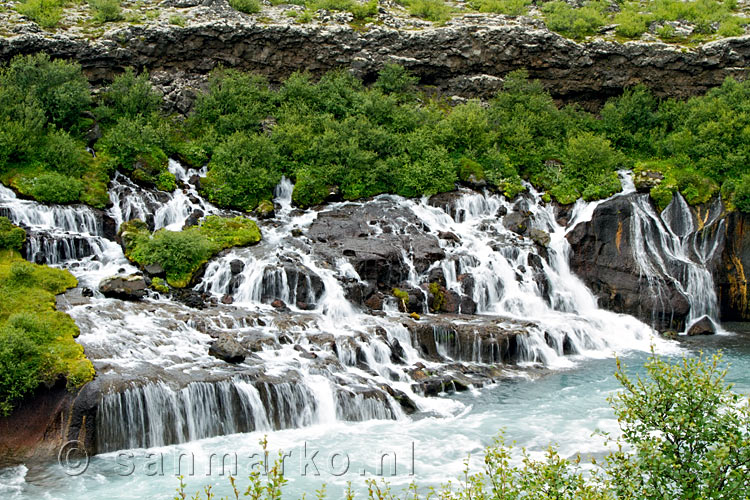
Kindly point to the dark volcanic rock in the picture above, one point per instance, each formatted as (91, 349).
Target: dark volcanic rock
(603, 258)
(517, 222)
(228, 349)
(734, 269)
(132, 287)
(236, 266)
(704, 326)
(351, 232)
(469, 56)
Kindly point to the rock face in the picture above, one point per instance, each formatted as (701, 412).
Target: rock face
(132, 287)
(353, 232)
(603, 258)
(469, 56)
(734, 269)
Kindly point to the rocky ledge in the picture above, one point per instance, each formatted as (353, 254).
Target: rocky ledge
(468, 56)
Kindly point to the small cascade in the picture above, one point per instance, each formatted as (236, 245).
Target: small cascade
(159, 209)
(672, 252)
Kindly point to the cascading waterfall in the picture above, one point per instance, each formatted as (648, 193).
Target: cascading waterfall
(321, 358)
(669, 249)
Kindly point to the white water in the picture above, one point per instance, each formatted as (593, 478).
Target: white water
(164, 388)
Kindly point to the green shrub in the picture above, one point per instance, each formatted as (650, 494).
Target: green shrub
(507, 7)
(58, 87)
(129, 95)
(631, 23)
(246, 6)
(46, 13)
(436, 11)
(587, 155)
(733, 26)
(11, 237)
(602, 186)
(573, 22)
(468, 169)
(395, 79)
(242, 171)
(159, 285)
(104, 11)
(366, 10)
(741, 198)
(182, 253)
(51, 187)
(177, 20)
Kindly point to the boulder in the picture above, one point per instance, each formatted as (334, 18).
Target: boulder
(517, 222)
(703, 326)
(155, 270)
(236, 266)
(541, 238)
(131, 287)
(227, 349)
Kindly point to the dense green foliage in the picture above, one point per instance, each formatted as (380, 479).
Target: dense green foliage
(49, 113)
(338, 137)
(11, 237)
(37, 343)
(103, 11)
(42, 152)
(182, 253)
(246, 6)
(684, 434)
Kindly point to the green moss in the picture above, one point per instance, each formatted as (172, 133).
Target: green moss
(11, 237)
(36, 342)
(182, 253)
(403, 298)
(159, 285)
(438, 297)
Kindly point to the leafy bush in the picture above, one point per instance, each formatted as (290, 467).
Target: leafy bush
(573, 22)
(36, 342)
(46, 13)
(631, 23)
(104, 11)
(242, 171)
(507, 7)
(395, 79)
(246, 6)
(11, 237)
(432, 10)
(177, 20)
(129, 96)
(741, 197)
(58, 87)
(182, 253)
(52, 187)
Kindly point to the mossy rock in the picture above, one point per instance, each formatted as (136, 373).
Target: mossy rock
(12, 237)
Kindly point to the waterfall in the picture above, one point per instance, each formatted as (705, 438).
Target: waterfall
(323, 356)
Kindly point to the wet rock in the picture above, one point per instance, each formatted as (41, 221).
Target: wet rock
(450, 236)
(448, 203)
(704, 326)
(603, 258)
(132, 287)
(190, 297)
(734, 269)
(502, 211)
(645, 180)
(541, 238)
(296, 232)
(193, 219)
(236, 266)
(87, 292)
(227, 349)
(517, 222)
(227, 299)
(155, 270)
(375, 302)
(293, 280)
(350, 232)
(279, 304)
(265, 210)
